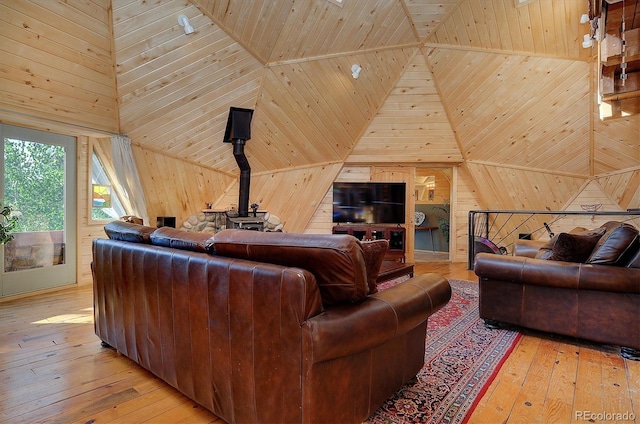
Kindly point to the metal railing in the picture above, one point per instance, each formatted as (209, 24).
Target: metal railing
(496, 231)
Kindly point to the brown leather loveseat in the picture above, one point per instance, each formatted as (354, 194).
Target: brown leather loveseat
(261, 327)
(583, 284)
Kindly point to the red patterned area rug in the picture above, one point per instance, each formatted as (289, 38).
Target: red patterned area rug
(461, 358)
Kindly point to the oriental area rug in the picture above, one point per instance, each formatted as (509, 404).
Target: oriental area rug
(462, 357)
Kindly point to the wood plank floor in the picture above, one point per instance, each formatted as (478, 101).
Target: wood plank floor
(53, 369)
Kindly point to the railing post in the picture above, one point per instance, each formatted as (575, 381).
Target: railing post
(471, 248)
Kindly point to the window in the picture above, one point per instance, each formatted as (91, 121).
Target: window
(105, 203)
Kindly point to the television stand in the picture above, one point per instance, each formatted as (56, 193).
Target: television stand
(363, 232)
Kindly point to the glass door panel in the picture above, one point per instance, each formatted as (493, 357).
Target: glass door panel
(38, 182)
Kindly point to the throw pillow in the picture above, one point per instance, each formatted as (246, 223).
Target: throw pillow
(546, 250)
(614, 244)
(184, 240)
(573, 247)
(336, 261)
(127, 231)
(374, 251)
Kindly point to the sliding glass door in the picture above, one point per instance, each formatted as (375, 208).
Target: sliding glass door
(39, 184)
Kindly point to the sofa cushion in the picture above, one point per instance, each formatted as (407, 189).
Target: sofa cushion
(634, 262)
(184, 240)
(374, 251)
(336, 261)
(546, 250)
(615, 245)
(127, 231)
(573, 247)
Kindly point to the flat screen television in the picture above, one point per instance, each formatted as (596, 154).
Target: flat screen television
(369, 203)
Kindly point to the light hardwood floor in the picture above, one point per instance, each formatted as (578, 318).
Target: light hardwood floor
(53, 369)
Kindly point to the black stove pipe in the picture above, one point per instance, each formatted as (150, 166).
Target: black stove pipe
(238, 131)
(245, 177)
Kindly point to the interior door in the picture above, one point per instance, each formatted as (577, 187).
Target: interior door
(38, 181)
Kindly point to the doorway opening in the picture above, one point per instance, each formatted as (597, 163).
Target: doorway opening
(432, 214)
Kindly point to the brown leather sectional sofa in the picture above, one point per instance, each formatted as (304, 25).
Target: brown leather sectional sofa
(583, 284)
(262, 327)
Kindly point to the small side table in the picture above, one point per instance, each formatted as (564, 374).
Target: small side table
(430, 229)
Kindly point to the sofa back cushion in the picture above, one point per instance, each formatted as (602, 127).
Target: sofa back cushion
(374, 252)
(634, 262)
(183, 240)
(615, 246)
(336, 261)
(127, 231)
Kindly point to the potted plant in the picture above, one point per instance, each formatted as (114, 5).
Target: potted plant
(8, 222)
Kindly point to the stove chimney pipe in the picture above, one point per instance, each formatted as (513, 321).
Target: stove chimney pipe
(238, 131)
(245, 177)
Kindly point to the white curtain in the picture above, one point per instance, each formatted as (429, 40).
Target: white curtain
(127, 175)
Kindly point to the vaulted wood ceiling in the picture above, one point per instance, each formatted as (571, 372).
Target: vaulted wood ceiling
(492, 82)
(501, 88)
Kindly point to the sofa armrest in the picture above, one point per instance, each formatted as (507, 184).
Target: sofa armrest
(350, 329)
(527, 248)
(570, 275)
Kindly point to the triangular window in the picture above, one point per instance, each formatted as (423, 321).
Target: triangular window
(105, 203)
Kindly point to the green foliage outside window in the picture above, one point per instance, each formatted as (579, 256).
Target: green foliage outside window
(34, 184)
(99, 214)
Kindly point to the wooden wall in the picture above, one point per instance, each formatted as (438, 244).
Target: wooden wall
(175, 187)
(466, 197)
(290, 195)
(85, 230)
(57, 67)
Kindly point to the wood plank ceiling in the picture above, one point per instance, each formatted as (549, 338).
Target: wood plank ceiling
(486, 84)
